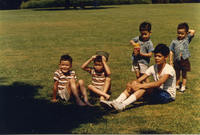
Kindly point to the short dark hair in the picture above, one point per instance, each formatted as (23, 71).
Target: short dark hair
(163, 49)
(145, 26)
(183, 26)
(98, 58)
(66, 57)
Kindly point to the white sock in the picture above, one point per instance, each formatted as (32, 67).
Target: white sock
(129, 100)
(121, 98)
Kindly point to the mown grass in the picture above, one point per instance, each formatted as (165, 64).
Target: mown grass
(32, 42)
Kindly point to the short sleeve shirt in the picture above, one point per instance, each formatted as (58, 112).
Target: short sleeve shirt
(98, 78)
(181, 47)
(63, 78)
(145, 47)
(170, 84)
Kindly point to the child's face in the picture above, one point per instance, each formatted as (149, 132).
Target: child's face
(181, 34)
(65, 66)
(160, 59)
(98, 66)
(145, 35)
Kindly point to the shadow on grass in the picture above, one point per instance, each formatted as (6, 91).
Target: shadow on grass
(21, 113)
(149, 131)
(61, 9)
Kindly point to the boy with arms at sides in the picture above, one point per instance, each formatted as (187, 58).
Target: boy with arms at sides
(162, 90)
(65, 83)
(142, 49)
(101, 81)
(179, 53)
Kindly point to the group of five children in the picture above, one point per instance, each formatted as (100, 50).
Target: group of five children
(166, 79)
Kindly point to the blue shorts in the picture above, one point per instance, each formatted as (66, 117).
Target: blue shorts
(161, 96)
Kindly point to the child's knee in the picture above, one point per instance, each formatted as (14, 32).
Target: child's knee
(90, 86)
(81, 82)
(108, 79)
(72, 81)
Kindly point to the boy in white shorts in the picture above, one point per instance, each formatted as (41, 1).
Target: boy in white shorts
(65, 84)
(142, 54)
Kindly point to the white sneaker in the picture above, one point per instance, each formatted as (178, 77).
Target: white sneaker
(118, 106)
(106, 104)
(182, 89)
(177, 87)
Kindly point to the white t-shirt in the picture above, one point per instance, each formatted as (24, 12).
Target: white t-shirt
(170, 84)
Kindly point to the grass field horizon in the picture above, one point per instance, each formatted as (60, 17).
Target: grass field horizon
(32, 41)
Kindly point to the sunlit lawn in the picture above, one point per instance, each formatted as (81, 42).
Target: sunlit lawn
(32, 42)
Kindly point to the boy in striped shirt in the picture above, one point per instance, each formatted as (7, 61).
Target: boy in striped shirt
(100, 72)
(65, 83)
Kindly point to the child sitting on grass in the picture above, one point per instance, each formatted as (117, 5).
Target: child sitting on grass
(162, 90)
(65, 83)
(101, 81)
(179, 53)
(142, 49)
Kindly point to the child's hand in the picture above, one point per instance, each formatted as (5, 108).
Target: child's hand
(93, 57)
(104, 58)
(136, 52)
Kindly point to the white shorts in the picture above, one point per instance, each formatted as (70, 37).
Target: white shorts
(141, 67)
(64, 94)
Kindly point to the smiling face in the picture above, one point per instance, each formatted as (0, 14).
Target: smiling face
(98, 66)
(181, 34)
(145, 35)
(160, 59)
(65, 66)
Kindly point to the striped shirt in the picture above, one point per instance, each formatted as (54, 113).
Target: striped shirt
(63, 78)
(98, 78)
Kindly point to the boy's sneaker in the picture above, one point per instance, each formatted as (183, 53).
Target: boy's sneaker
(106, 104)
(118, 106)
(182, 89)
(177, 87)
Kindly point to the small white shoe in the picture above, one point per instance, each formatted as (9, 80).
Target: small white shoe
(182, 89)
(177, 87)
(118, 106)
(106, 104)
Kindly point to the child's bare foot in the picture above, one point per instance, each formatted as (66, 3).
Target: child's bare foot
(80, 103)
(54, 100)
(88, 103)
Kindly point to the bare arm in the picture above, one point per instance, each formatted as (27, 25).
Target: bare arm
(151, 84)
(192, 32)
(132, 42)
(139, 80)
(142, 78)
(171, 58)
(85, 65)
(146, 54)
(55, 89)
(106, 67)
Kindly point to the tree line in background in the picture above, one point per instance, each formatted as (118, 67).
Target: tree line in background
(17, 4)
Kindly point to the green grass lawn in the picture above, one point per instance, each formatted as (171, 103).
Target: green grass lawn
(32, 41)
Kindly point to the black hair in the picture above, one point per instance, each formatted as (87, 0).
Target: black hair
(66, 57)
(163, 49)
(145, 26)
(183, 26)
(98, 58)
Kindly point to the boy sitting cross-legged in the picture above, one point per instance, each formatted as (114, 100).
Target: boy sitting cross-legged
(162, 90)
(100, 72)
(65, 83)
